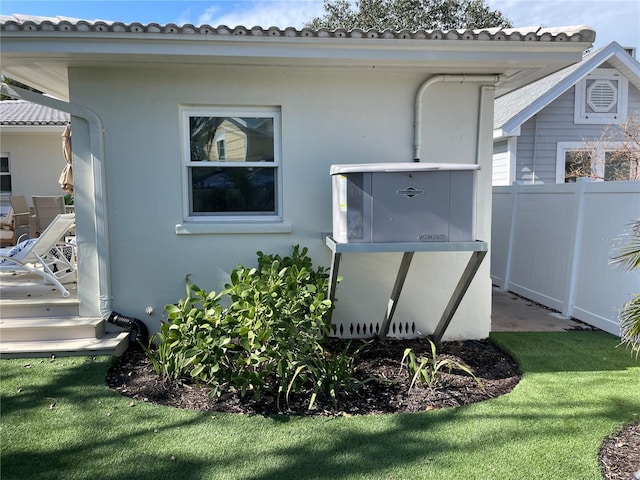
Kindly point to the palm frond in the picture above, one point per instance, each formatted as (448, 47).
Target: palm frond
(630, 324)
(627, 257)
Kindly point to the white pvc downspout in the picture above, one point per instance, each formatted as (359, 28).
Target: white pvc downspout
(417, 119)
(481, 107)
(96, 142)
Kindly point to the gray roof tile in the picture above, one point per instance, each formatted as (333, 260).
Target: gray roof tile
(17, 22)
(19, 112)
(507, 106)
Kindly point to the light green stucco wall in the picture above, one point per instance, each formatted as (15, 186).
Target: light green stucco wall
(328, 116)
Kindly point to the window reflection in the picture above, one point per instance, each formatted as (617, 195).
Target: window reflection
(231, 139)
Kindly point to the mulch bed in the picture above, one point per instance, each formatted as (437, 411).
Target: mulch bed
(620, 455)
(386, 387)
(386, 390)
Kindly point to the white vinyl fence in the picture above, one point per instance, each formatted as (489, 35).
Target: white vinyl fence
(552, 243)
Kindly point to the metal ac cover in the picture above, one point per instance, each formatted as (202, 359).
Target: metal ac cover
(404, 202)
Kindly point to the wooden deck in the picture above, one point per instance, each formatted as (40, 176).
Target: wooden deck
(36, 321)
(27, 287)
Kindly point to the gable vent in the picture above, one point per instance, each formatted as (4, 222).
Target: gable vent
(602, 95)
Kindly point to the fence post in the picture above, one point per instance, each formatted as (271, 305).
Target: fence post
(569, 301)
(512, 231)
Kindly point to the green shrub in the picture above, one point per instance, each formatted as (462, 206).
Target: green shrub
(428, 370)
(268, 341)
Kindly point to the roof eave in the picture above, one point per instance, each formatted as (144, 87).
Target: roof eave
(26, 52)
(32, 129)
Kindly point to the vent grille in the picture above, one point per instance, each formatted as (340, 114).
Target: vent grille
(368, 330)
(602, 96)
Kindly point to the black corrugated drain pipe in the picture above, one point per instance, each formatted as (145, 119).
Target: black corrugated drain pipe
(139, 331)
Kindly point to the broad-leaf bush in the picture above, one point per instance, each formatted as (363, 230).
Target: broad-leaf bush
(269, 339)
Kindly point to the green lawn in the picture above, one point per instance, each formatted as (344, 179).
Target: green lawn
(60, 421)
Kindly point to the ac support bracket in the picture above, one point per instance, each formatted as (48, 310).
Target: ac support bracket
(478, 251)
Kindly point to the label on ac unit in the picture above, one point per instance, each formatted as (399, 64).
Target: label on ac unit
(433, 237)
(342, 193)
(410, 192)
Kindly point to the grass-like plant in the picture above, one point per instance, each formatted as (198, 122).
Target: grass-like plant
(330, 374)
(427, 370)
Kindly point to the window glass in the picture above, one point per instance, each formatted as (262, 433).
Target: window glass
(5, 175)
(232, 190)
(616, 166)
(5, 184)
(577, 164)
(232, 163)
(231, 139)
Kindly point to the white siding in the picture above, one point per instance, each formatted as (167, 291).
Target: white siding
(500, 174)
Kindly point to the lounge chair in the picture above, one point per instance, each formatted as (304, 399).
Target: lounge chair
(45, 255)
(46, 209)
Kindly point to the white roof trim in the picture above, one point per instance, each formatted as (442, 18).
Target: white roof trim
(501, 133)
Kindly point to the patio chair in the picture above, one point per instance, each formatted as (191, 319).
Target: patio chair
(21, 215)
(46, 209)
(45, 256)
(7, 229)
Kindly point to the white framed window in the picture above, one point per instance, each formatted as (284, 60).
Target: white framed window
(603, 164)
(601, 97)
(231, 164)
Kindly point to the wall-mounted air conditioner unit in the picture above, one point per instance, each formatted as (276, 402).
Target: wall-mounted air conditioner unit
(404, 202)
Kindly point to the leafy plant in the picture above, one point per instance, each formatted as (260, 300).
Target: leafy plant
(190, 343)
(268, 341)
(428, 370)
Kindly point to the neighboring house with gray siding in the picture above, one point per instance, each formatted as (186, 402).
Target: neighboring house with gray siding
(539, 128)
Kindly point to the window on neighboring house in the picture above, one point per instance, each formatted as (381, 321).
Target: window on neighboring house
(5, 183)
(601, 97)
(5, 174)
(232, 163)
(608, 163)
(222, 156)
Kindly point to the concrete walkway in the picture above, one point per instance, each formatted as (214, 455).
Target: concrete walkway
(512, 313)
